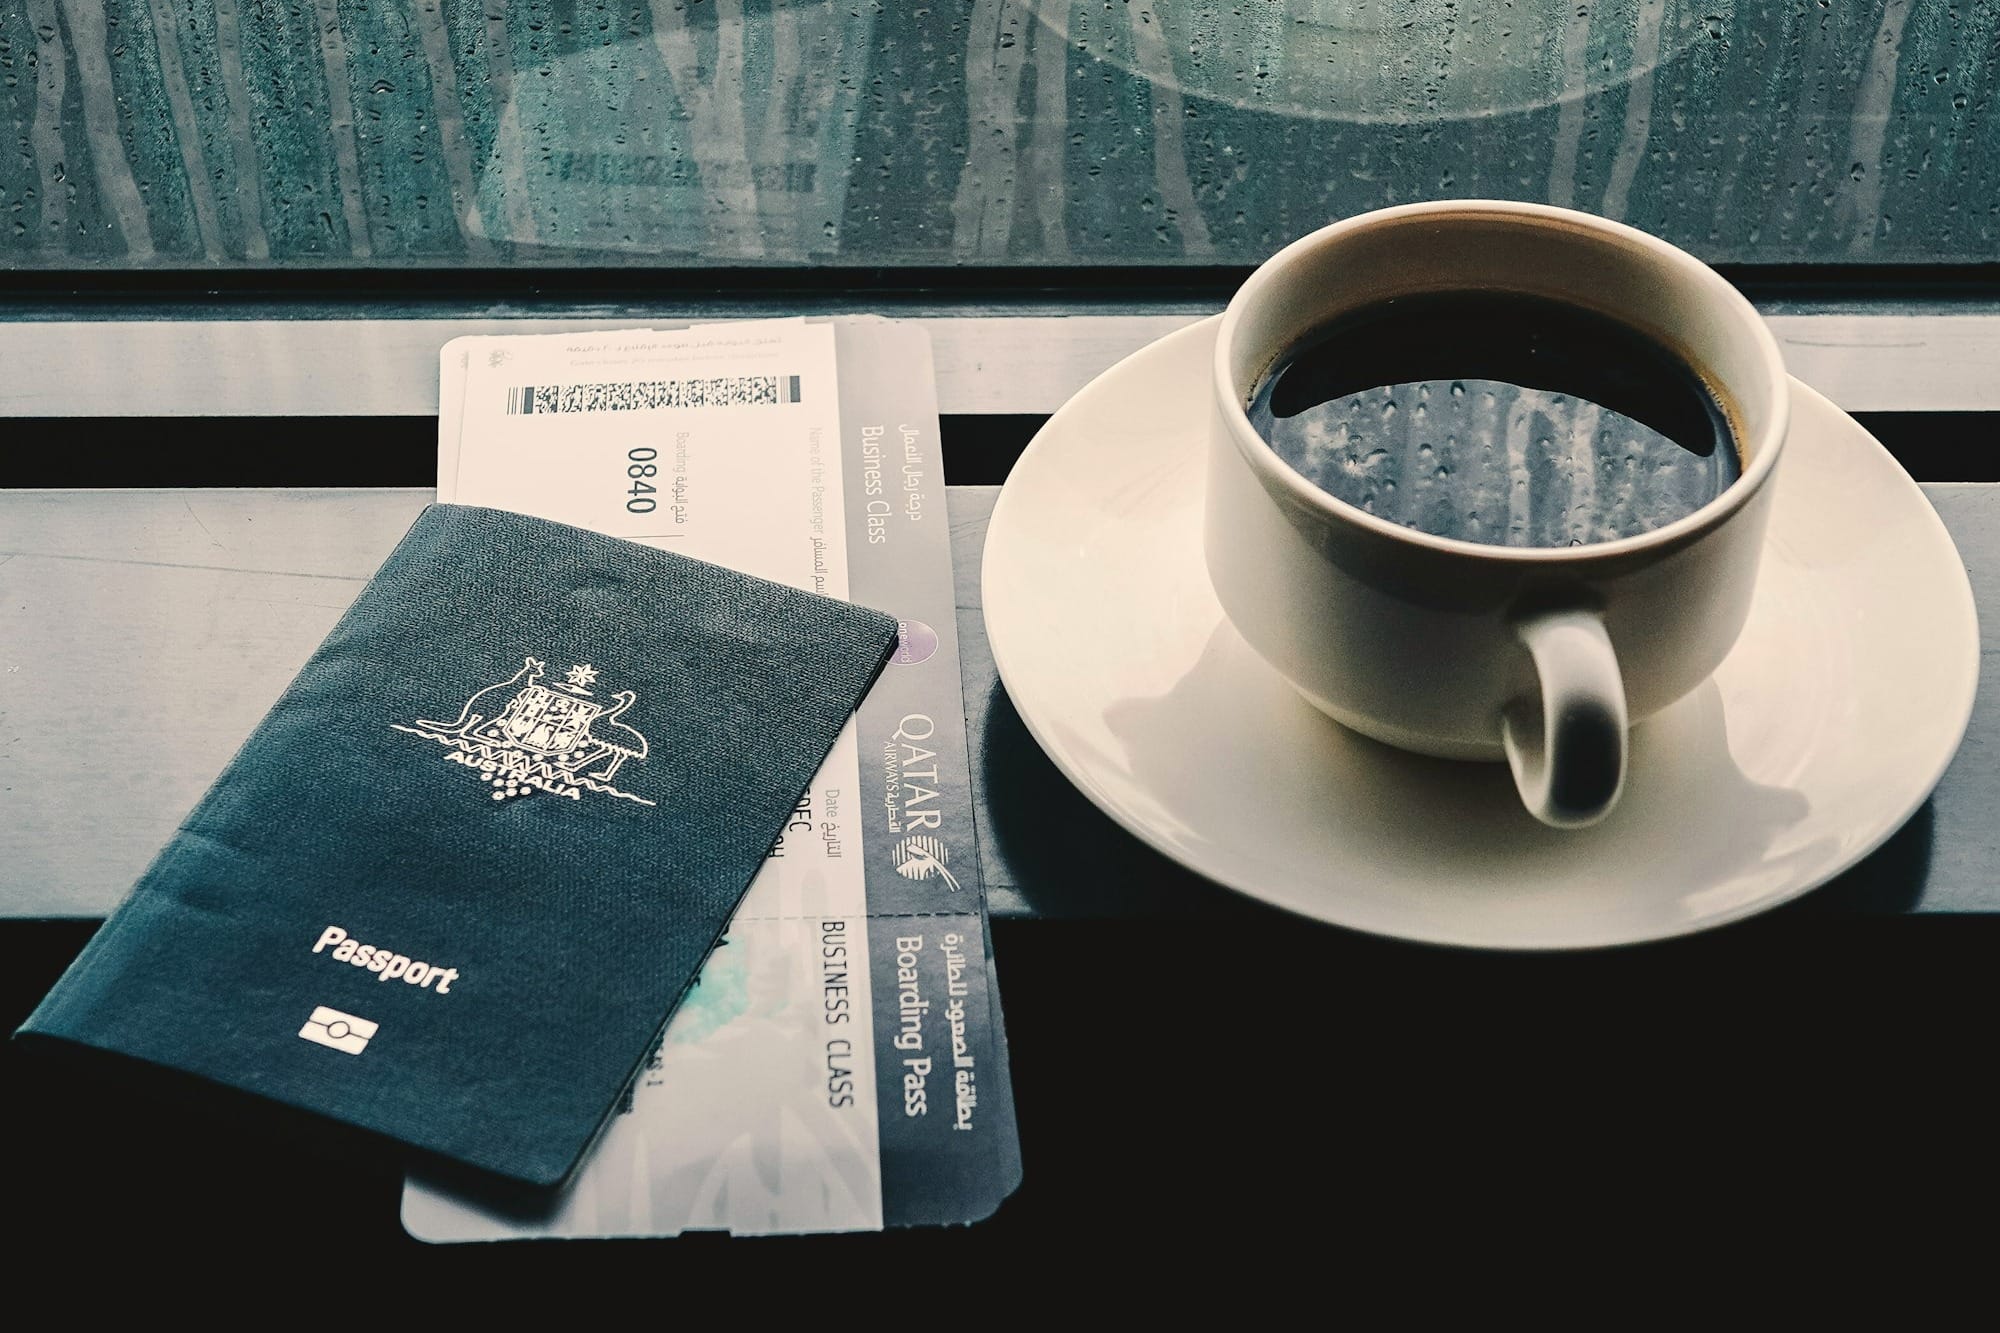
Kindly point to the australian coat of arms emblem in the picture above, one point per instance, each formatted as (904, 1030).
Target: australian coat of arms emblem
(520, 735)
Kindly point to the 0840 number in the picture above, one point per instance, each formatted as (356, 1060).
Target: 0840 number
(641, 468)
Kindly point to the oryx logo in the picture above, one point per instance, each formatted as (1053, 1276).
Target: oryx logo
(521, 736)
(921, 856)
(342, 1032)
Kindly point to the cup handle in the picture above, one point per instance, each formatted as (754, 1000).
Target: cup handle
(1566, 744)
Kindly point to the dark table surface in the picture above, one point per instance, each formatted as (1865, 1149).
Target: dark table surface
(1236, 1093)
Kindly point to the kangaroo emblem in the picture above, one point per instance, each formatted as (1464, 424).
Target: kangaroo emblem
(468, 716)
(520, 735)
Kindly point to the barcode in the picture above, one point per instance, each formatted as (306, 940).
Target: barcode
(719, 391)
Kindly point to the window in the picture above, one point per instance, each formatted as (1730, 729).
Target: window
(480, 134)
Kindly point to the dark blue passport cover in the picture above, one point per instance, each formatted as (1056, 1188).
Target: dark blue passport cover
(454, 884)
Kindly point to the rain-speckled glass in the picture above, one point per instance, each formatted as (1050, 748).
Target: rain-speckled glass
(154, 134)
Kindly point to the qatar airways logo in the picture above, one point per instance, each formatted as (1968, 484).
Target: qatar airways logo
(914, 804)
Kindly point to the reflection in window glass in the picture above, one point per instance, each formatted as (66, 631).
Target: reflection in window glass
(490, 133)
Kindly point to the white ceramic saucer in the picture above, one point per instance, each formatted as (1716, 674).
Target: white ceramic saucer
(1820, 735)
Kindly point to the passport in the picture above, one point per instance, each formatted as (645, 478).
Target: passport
(454, 884)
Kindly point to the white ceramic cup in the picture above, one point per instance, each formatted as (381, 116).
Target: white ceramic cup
(1543, 656)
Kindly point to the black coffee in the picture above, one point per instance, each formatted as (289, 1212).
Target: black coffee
(1495, 418)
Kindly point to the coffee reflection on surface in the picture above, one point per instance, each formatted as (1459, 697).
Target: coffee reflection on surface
(1501, 419)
